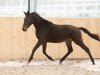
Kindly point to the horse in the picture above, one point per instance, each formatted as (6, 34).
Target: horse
(48, 32)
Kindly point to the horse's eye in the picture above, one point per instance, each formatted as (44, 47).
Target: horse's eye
(26, 19)
(29, 19)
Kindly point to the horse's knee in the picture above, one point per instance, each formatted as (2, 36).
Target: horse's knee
(71, 50)
(44, 52)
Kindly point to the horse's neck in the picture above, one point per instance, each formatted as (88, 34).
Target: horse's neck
(39, 22)
(35, 21)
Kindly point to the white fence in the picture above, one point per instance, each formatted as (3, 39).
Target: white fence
(53, 8)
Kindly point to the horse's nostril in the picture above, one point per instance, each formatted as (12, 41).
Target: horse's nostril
(24, 29)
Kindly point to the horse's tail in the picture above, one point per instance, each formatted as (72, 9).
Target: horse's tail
(94, 36)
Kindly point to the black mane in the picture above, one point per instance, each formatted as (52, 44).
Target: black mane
(43, 20)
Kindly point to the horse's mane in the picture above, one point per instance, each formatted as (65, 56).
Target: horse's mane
(46, 21)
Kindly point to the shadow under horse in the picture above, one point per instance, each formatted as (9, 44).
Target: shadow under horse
(47, 31)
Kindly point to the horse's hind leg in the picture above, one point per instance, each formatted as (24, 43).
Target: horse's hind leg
(77, 38)
(70, 49)
(83, 46)
(44, 45)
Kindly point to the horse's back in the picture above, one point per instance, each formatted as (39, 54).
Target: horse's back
(67, 29)
(58, 33)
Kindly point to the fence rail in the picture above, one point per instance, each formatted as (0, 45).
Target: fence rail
(16, 44)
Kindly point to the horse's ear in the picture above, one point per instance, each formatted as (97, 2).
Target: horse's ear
(28, 12)
(25, 13)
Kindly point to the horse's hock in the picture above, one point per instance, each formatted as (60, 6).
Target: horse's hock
(16, 44)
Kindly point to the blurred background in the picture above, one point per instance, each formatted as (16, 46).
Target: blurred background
(16, 44)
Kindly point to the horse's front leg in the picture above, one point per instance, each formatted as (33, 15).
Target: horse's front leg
(44, 45)
(34, 49)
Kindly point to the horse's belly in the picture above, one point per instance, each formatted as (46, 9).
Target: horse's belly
(57, 36)
(57, 40)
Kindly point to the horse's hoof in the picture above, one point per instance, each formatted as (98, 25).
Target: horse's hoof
(28, 61)
(52, 60)
(93, 63)
(60, 62)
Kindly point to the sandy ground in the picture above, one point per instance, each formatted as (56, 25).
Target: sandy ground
(46, 67)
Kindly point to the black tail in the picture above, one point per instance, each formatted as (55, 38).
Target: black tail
(94, 36)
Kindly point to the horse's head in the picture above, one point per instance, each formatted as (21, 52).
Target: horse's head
(27, 21)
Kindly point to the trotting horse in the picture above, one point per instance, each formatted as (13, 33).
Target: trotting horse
(47, 31)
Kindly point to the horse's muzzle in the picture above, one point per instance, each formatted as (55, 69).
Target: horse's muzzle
(24, 29)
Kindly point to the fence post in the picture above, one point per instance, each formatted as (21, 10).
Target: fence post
(29, 5)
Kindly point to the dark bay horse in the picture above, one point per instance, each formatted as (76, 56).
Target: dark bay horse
(47, 31)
